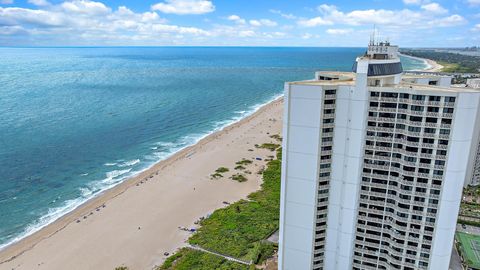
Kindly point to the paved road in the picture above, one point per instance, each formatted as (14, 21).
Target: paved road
(455, 260)
(468, 229)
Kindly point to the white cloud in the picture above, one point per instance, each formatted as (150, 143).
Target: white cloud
(86, 7)
(182, 7)
(476, 28)
(263, 22)
(434, 8)
(314, 22)
(386, 18)
(284, 15)
(87, 22)
(307, 36)
(6, 2)
(236, 19)
(474, 2)
(449, 21)
(339, 31)
(414, 2)
(246, 33)
(17, 16)
(39, 3)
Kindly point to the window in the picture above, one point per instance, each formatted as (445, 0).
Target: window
(418, 97)
(449, 99)
(417, 108)
(447, 110)
(330, 92)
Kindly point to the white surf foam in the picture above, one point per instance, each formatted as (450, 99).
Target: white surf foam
(115, 177)
(129, 163)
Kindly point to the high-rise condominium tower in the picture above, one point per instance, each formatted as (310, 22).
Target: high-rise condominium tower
(374, 163)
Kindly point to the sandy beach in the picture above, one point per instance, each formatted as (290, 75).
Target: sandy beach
(433, 66)
(136, 222)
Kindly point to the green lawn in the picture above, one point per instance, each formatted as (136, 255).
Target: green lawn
(469, 246)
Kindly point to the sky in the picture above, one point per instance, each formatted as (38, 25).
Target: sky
(408, 23)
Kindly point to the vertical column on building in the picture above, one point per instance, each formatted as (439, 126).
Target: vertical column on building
(460, 162)
(347, 160)
(300, 174)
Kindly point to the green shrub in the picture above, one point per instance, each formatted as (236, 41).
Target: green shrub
(222, 170)
(188, 259)
(238, 177)
(269, 146)
(216, 175)
(237, 229)
(244, 162)
(239, 167)
(276, 137)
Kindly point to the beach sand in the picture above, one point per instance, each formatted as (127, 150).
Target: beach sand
(433, 66)
(134, 223)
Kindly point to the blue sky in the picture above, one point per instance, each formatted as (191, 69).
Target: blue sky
(408, 23)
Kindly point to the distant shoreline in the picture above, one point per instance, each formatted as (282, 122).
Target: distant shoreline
(432, 66)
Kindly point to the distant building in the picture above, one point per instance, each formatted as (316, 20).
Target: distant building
(374, 163)
(473, 83)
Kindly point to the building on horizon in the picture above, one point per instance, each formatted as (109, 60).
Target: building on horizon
(374, 164)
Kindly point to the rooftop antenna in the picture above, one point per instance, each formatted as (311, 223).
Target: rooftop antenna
(372, 37)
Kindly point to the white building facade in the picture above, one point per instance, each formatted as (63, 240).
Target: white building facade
(373, 167)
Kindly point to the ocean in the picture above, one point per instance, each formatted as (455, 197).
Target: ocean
(77, 121)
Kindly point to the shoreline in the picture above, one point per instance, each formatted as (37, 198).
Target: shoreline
(129, 176)
(14, 252)
(432, 65)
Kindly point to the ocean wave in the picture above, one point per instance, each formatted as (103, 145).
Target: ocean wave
(52, 215)
(115, 177)
(110, 164)
(86, 193)
(116, 173)
(129, 163)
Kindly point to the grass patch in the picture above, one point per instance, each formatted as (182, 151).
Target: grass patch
(238, 177)
(469, 246)
(269, 146)
(189, 259)
(222, 170)
(216, 175)
(468, 222)
(239, 229)
(454, 67)
(239, 167)
(276, 137)
(243, 162)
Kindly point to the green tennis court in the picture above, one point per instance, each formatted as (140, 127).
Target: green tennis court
(469, 248)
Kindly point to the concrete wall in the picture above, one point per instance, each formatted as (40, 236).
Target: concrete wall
(347, 160)
(300, 167)
(462, 148)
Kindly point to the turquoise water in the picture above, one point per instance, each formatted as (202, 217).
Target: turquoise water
(76, 121)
